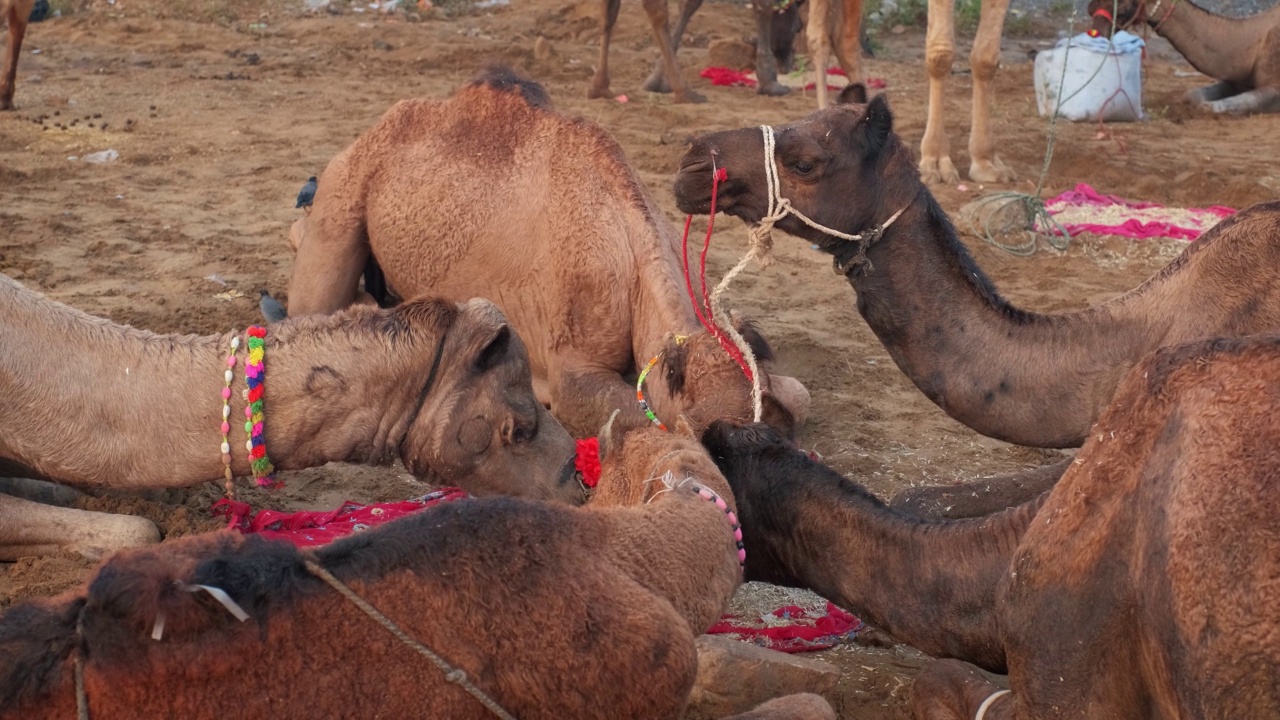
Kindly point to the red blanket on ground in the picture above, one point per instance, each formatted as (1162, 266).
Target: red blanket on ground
(789, 629)
(728, 77)
(1084, 209)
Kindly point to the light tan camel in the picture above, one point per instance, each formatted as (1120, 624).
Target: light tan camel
(1242, 54)
(550, 611)
(17, 12)
(493, 194)
(940, 47)
(1144, 585)
(445, 388)
(1022, 377)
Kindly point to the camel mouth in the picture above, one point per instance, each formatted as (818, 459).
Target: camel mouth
(693, 189)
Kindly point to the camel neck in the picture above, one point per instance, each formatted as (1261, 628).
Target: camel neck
(930, 585)
(1218, 46)
(664, 305)
(1009, 374)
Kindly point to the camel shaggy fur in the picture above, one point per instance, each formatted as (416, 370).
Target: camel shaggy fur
(552, 611)
(1241, 53)
(1022, 377)
(593, 284)
(1143, 585)
(18, 13)
(445, 388)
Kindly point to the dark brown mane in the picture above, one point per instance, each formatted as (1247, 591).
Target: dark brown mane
(675, 358)
(504, 79)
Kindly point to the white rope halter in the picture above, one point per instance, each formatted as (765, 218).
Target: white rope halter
(761, 249)
(986, 704)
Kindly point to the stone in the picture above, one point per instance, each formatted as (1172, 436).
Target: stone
(733, 54)
(734, 677)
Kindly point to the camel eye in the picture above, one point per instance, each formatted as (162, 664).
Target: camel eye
(802, 167)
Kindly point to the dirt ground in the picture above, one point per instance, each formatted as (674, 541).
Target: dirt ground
(220, 110)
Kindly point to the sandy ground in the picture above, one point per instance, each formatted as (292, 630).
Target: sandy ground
(220, 110)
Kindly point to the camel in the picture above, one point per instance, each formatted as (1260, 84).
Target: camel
(1143, 585)
(1242, 54)
(596, 289)
(443, 387)
(549, 611)
(18, 13)
(1022, 377)
(777, 24)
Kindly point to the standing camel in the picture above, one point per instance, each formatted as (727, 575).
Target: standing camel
(1144, 585)
(1242, 54)
(1021, 377)
(18, 13)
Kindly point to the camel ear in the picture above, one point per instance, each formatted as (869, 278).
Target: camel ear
(605, 438)
(684, 427)
(495, 351)
(853, 94)
(876, 126)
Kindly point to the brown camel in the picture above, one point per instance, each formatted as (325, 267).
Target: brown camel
(445, 388)
(1242, 54)
(596, 287)
(550, 611)
(777, 23)
(18, 13)
(1144, 585)
(1022, 377)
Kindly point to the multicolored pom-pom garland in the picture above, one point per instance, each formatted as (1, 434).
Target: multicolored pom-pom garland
(255, 375)
(226, 416)
(712, 496)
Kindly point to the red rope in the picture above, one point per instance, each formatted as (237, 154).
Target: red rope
(708, 320)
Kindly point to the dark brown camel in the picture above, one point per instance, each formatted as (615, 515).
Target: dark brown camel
(594, 285)
(777, 24)
(18, 13)
(551, 611)
(1144, 585)
(443, 387)
(1018, 376)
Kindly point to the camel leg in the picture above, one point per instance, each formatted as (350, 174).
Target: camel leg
(657, 12)
(657, 81)
(1262, 100)
(819, 47)
(954, 690)
(29, 529)
(939, 50)
(980, 497)
(848, 38)
(600, 81)
(1209, 93)
(18, 15)
(582, 398)
(41, 491)
(766, 68)
(984, 165)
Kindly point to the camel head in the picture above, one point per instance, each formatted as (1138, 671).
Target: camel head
(695, 378)
(843, 167)
(633, 463)
(480, 426)
(1110, 15)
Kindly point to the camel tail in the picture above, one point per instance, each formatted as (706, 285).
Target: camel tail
(375, 283)
(35, 640)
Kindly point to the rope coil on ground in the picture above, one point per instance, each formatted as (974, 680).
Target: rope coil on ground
(451, 673)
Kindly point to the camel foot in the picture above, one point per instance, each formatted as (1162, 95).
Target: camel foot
(773, 89)
(657, 82)
(599, 90)
(6, 103)
(938, 170)
(990, 171)
(689, 96)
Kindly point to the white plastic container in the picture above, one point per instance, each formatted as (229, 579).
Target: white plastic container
(1103, 80)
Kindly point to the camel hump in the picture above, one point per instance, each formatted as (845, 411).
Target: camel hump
(1170, 367)
(501, 78)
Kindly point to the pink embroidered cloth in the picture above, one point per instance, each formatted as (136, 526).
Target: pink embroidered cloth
(1084, 209)
(790, 629)
(728, 77)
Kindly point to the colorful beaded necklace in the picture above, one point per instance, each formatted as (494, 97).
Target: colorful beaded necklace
(644, 404)
(255, 373)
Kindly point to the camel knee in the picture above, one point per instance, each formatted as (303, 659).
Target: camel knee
(938, 59)
(984, 61)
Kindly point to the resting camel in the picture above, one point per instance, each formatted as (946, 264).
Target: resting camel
(1144, 585)
(592, 281)
(1022, 377)
(550, 611)
(443, 387)
(1242, 54)
(18, 13)
(777, 23)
